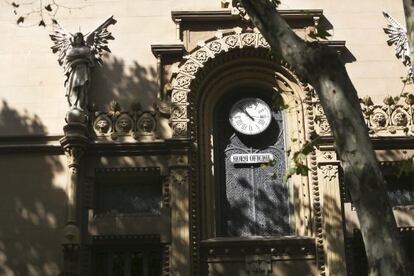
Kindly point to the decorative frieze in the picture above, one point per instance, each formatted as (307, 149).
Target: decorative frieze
(116, 123)
(393, 118)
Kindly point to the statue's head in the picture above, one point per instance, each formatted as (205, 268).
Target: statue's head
(78, 40)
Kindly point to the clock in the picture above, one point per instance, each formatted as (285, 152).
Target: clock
(250, 116)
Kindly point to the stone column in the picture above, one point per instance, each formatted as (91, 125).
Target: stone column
(332, 220)
(74, 143)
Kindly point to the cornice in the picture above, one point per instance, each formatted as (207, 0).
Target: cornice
(227, 15)
(170, 49)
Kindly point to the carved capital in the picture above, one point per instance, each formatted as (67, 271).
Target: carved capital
(179, 177)
(73, 155)
(329, 171)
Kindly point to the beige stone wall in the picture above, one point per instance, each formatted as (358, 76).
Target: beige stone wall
(31, 82)
(32, 214)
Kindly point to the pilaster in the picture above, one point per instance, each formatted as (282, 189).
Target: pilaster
(332, 219)
(73, 142)
(180, 223)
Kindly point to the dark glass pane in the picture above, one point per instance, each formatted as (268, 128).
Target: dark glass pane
(118, 264)
(252, 201)
(101, 264)
(154, 263)
(400, 189)
(142, 196)
(137, 265)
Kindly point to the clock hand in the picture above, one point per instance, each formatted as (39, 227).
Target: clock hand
(247, 113)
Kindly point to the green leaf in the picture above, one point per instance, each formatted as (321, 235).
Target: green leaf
(302, 169)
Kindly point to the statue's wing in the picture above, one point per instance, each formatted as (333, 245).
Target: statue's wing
(61, 39)
(98, 39)
(397, 36)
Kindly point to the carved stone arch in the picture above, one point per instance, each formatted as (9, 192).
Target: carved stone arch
(205, 75)
(184, 80)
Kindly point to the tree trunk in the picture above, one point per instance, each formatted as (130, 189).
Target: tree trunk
(322, 68)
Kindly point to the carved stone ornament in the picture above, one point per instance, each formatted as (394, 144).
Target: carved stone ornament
(124, 123)
(78, 54)
(258, 265)
(146, 123)
(394, 117)
(116, 123)
(329, 172)
(102, 124)
(182, 79)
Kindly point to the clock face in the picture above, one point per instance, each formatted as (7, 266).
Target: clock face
(250, 116)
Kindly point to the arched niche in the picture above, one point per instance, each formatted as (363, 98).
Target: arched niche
(206, 76)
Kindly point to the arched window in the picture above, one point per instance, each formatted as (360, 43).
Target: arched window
(250, 163)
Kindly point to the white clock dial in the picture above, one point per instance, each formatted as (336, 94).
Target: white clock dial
(250, 116)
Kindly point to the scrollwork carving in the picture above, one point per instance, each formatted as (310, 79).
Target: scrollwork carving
(394, 117)
(329, 172)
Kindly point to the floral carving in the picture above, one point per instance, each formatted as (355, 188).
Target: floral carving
(215, 46)
(201, 56)
(180, 129)
(178, 96)
(249, 39)
(329, 172)
(179, 112)
(263, 42)
(183, 81)
(231, 40)
(190, 67)
(324, 126)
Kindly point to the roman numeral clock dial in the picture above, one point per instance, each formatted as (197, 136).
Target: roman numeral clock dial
(250, 116)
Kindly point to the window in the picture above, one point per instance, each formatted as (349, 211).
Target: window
(400, 189)
(135, 191)
(252, 197)
(138, 261)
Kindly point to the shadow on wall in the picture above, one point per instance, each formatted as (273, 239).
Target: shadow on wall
(31, 208)
(124, 83)
(13, 122)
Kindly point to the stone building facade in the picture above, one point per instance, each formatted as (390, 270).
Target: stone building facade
(167, 176)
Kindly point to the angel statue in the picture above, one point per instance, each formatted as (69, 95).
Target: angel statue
(78, 54)
(397, 36)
